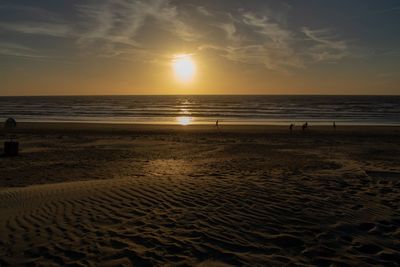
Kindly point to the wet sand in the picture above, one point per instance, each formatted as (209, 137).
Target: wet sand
(143, 195)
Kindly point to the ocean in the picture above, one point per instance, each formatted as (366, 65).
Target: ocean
(204, 109)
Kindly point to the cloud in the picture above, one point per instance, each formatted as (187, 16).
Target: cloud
(265, 40)
(384, 52)
(256, 54)
(270, 30)
(230, 31)
(49, 29)
(259, 40)
(116, 29)
(202, 10)
(120, 21)
(34, 21)
(325, 46)
(11, 49)
(146, 30)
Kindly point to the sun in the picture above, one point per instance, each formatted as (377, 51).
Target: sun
(184, 68)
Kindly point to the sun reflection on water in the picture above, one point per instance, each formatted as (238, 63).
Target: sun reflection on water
(184, 120)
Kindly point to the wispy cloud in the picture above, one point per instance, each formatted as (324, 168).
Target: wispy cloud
(202, 10)
(137, 29)
(119, 22)
(11, 49)
(325, 46)
(385, 52)
(230, 31)
(34, 20)
(256, 39)
(49, 29)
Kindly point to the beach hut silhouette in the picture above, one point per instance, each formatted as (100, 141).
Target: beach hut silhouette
(11, 147)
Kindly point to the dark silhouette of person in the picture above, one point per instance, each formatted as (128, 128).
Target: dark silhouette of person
(291, 128)
(216, 123)
(334, 125)
(304, 126)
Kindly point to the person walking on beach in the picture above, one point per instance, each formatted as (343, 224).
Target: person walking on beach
(291, 128)
(216, 123)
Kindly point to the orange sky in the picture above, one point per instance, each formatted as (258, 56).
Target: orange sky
(126, 47)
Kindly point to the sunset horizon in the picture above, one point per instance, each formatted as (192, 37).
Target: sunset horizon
(127, 47)
(213, 133)
(244, 94)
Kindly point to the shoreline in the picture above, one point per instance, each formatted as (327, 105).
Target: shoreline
(284, 123)
(76, 127)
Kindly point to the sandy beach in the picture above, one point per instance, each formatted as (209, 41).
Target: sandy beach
(150, 195)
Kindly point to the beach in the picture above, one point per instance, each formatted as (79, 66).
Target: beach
(199, 195)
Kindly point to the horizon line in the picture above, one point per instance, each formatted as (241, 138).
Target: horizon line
(89, 95)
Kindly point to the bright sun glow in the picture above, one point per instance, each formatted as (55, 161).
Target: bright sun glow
(184, 68)
(184, 120)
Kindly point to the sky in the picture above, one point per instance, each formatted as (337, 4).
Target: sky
(54, 47)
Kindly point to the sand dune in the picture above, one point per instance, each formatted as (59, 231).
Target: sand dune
(256, 202)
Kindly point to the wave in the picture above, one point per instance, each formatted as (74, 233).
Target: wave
(204, 109)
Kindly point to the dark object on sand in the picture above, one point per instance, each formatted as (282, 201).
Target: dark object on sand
(304, 126)
(216, 123)
(11, 148)
(10, 123)
(334, 125)
(291, 127)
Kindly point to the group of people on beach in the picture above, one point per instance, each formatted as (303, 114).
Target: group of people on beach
(304, 127)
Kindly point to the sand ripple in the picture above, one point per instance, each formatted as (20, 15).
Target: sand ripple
(205, 220)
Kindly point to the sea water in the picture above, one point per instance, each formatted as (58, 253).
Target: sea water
(204, 109)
